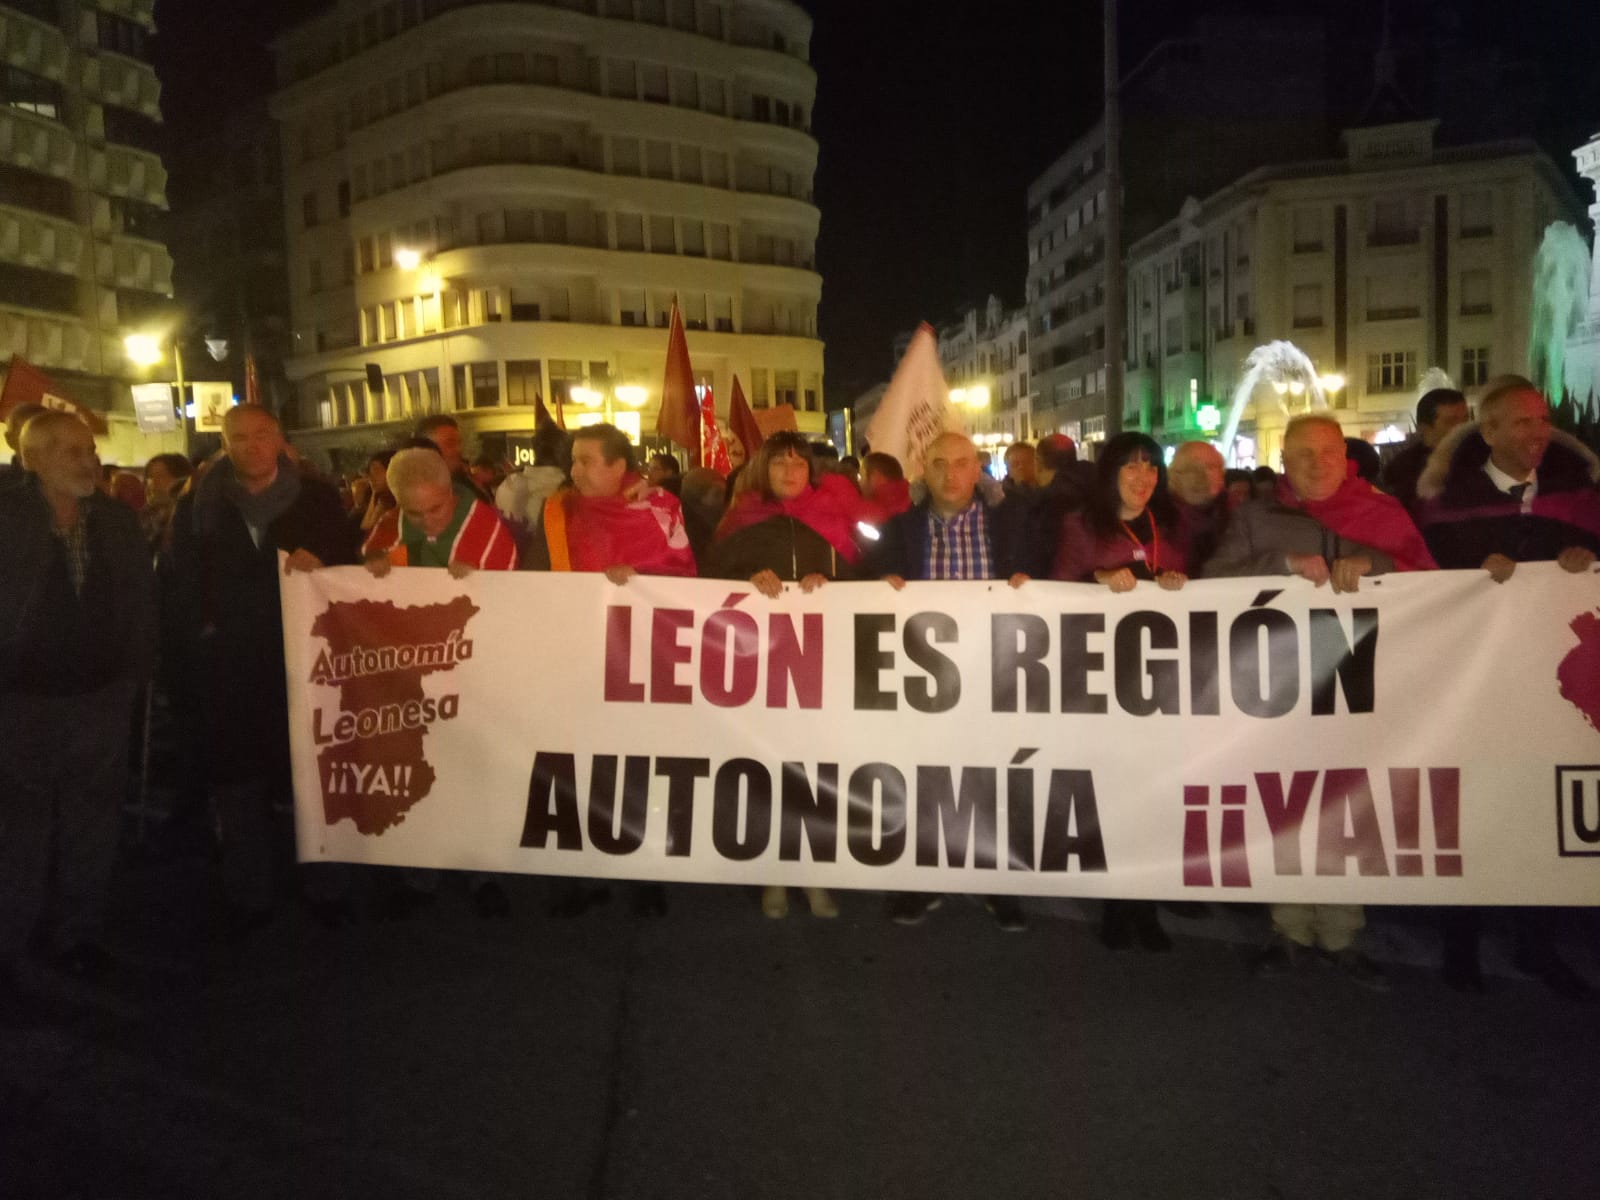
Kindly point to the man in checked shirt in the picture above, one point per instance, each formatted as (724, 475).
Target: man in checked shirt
(954, 534)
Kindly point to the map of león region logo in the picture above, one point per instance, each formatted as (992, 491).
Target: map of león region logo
(372, 763)
(1579, 672)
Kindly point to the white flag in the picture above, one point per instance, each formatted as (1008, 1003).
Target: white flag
(916, 406)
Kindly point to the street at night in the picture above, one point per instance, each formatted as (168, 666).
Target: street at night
(715, 1053)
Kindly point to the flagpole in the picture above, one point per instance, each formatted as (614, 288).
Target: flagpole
(1113, 227)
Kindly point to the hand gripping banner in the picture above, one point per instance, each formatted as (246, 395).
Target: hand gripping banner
(1432, 739)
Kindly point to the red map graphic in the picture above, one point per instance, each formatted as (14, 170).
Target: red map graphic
(375, 771)
(1579, 672)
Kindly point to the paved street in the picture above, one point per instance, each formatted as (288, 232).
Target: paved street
(714, 1053)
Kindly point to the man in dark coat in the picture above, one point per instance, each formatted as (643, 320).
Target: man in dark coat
(1505, 491)
(77, 639)
(1511, 489)
(1438, 412)
(226, 537)
(953, 534)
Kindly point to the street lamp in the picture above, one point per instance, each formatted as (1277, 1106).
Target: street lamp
(976, 396)
(631, 397)
(407, 259)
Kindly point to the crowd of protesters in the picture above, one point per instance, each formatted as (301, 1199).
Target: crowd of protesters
(109, 574)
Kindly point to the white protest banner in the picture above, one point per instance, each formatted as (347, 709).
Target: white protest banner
(1431, 739)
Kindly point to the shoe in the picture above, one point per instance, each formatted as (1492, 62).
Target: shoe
(405, 902)
(822, 904)
(85, 961)
(909, 908)
(330, 914)
(491, 901)
(1464, 976)
(1280, 956)
(1557, 976)
(1007, 913)
(1116, 926)
(1147, 927)
(775, 901)
(649, 900)
(1360, 969)
(573, 899)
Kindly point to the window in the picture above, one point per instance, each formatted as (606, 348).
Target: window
(662, 238)
(689, 164)
(658, 160)
(653, 82)
(1307, 230)
(522, 381)
(715, 96)
(685, 89)
(1391, 298)
(721, 242)
(630, 231)
(1392, 223)
(716, 164)
(1474, 366)
(624, 156)
(759, 395)
(385, 251)
(485, 384)
(1173, 339)
(368, 262)
(622, 80)
(524, 307)
(694, 238)
(631, 307)
(1392, 371)
(308, 210)
(1476, 299)
(1307, 305)
(554, 222)
(522, 225)
(314, 275)
(722, 314)
(760, 108)
(1477, 215)
(565, 374)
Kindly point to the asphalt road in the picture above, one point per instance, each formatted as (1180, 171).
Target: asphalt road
(712, 1054)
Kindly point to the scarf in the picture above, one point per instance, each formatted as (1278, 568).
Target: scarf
(1360, 513)
(830, 509)
(221, 488)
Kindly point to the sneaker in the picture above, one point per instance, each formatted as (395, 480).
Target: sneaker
(1007, 913)
(1360, 969)
(775, 901)
(1555, 975)
(490, 900)
(649, 900)
(822, 904)
(909, 908)
(1280, 956)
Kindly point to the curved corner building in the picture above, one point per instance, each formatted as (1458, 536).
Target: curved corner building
(491, 203)
(82, 197)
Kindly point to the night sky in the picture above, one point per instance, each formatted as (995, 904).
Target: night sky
(933, 117)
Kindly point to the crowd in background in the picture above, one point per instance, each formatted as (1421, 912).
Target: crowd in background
(116, 578)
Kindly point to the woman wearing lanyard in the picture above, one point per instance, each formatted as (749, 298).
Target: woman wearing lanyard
(1129, 532)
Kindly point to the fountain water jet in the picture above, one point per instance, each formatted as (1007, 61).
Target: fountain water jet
(1275, 363)
(1560, 305)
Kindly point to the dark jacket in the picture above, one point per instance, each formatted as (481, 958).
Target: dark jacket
(1465, 518)
(54, 640)
(1262, 534)
(903, 548)
(1400, 474)
(784, 545)
(230, 625)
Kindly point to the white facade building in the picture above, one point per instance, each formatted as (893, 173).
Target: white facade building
(82, 192)
(987, 351)
(1396, 258)
(494, 203)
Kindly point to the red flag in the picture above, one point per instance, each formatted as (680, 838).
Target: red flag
(541, 414)
(26, 384)
(743, 423)
(678, 419)
(252, 381)
(713, 451)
